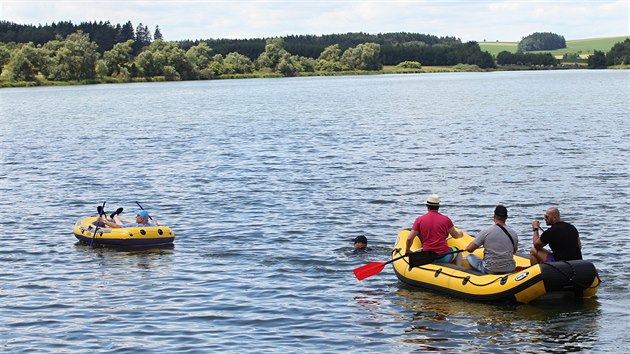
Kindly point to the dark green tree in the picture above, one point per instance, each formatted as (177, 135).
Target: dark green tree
(143, 38)
(126, 33)
(541, 41)
(157, 34)
(597, 60)
(531, 59)
(619, 54)
(101, 33)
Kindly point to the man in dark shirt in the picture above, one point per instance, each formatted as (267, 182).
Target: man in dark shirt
(562, 238)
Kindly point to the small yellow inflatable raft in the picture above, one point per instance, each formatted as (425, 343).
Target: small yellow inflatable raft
(84, 230)
(547, 280)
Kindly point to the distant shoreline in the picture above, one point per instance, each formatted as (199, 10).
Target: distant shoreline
(388, 70)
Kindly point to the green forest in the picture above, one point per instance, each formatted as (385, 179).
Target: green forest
(92, 52)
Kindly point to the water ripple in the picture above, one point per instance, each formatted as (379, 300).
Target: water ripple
(266, 183)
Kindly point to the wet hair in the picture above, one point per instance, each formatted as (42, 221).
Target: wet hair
(361, 239)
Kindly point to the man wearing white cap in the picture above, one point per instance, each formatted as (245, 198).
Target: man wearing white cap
(433, 229)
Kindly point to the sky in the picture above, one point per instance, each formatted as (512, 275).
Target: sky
(468, 20)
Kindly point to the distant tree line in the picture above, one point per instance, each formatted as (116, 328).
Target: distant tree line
(541, 41)
(520, 58)
(101, 51)
(104, 34)
(77, 58)
(49, 54)
(394, 47)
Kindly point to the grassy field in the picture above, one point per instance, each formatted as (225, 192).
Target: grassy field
(583, 47)
(495, 48)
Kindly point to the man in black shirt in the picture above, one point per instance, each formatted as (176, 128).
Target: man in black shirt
(562, 238)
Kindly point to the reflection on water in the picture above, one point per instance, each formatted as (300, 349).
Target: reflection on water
(368, 301)
(142, 257)
(444, 323)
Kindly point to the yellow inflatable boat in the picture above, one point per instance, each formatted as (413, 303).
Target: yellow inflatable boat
(85, 231)
(547, 280)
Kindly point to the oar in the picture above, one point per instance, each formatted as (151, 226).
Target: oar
(100, 213)
(416, 259)
(372, 268)
(143, 209)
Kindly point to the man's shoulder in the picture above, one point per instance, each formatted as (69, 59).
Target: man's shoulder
(438, 215)
(486, 231)
(563, 225)
(567, 228)
(493, 229)
(509, 229)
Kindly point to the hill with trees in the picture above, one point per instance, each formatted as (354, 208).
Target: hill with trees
(542, 41)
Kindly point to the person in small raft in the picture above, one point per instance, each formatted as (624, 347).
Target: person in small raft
(142, 219)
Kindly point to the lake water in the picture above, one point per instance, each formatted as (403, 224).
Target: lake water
(267, 181)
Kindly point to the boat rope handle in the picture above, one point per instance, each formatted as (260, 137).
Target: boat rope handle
(504, 277)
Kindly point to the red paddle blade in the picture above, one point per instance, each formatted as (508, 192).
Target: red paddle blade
(368, 270)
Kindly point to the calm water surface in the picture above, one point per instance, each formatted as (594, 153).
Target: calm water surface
(266, 182)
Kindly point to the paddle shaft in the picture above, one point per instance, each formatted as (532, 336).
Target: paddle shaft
(143, 209)
(96, 228)
(395, 259)
(376, 267)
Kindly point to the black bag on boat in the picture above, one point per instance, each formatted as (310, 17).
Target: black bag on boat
(421, 258)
